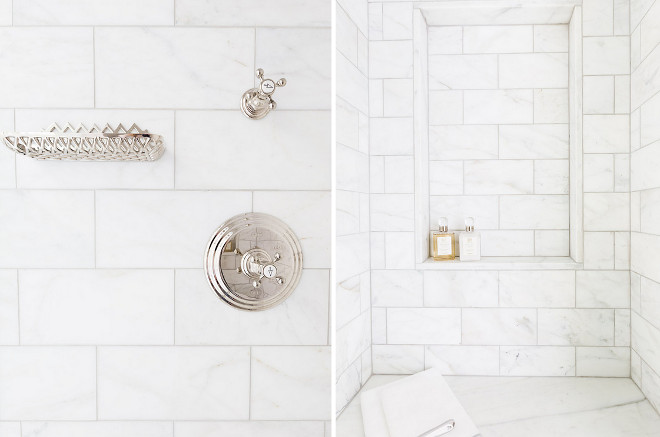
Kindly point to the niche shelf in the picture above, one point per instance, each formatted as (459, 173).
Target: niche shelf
(505, 263)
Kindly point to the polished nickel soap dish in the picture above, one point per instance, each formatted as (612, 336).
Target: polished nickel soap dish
(83, 144)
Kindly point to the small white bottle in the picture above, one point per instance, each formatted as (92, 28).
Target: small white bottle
(469, 242)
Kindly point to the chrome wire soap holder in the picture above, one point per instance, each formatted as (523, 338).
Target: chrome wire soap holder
(87, 144)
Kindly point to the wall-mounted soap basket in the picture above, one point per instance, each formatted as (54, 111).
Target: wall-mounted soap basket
(87, 144)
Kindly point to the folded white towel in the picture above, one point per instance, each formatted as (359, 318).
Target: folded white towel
(412, 406)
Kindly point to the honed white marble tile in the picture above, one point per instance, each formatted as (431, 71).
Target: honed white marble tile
(253, 428)
(460, 289)
(62, 78)
(10, 429)
(603, 361)
(545, 289)
(175, 383)
(446, 107)
(6, 16)
(650, 36)
(423, 326)
(635, 48)
(353, 164)
(376, 98)
(295, 159)
(513, 326)
(168, 229)
(249, 13)
(537, 141)
(60, 224)
(8, 307)
(603, 289)
(375, 19)
(635, 292)
(399, 250)
(598, 94)
(377, 174)
(507, 243)
(599, 250)
(397, 21)
(650, 300)
(551, 38)
(463, 142)
(537, 70)
(537, 361)
(622, 94)
(645, 338)
(399, 174)
(347, 298)
(649, 130)
(348, 212)
(290, 383)
(497, 39)
(367, 367)
(397, 97)
(355, 339)
(484, 209)
(534, 212)
(352, 84)
(445, 40)
(346, 34)
(651, 385)
(638, 9)
(113, 306)
(350, 261)
(391, 136)
(622, 327)
(645, 81)
(498, 107)
(598, 173)
(606, 133)
(644, 247)
(362, 53)
(97, 429)
(635, 211)
(47, 383)
(462, 72)
(348, 385)
(398, 359)
(607, 211)
(635, 368)
(347, 124)
(598, 17)
(397, 288)
(390, 59)
(379, 325)
(635, 129)
(392, 212)
(644, 164)
(622, 251)
(606, 55)
(551, 176)
(499, 177)
(94, 12)
(622, 17)
(551, 243)
(446, 177)
(463, 360)
(7, 157)
(576, 327)
(551, 105)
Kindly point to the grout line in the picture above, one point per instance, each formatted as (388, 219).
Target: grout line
(95, 229)
(250, 387)
(94, 62)
(174, 307)
(96, 379)
(18, 305)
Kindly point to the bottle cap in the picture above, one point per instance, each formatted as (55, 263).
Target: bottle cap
(443, 224)
(469, 224)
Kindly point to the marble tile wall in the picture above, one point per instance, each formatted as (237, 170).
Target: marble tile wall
(645, 198)
(107, 325)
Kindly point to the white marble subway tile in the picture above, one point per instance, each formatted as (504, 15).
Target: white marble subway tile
(295, 159)
(622, 250)
(650, 211)
(348, 212)
(10, 429)
(202, 319)
(534, 212)
(290, 383)
(8, 307)
(446, 107)
(397, 97)
(622, 94)
(367, 368)
(650, 35)
(302, 56)
(463, 360)
(347, 298)
(498, 107)
(499, 177)
(6, 14)
(643, 261)
(511, 326)
(377, 174)
(59, 223)
(645, 162)
(392, 212)
(397, 288)
(97, 429)
(622, 173)
(375, 244)
(363, 133)
(550, 38)
(375, 13)
(635, 48)
(62, 78)
(351, 84)
(607, 211)
(397, 21)
(537, 361)
(651, 385)
(353, 164)
(179, 67)
(399, 250)
(462, 72)
(599, 250)
(314, 13)
(253, 428)
(348, 384)
(645, 80)
(606, 55)
(498, 39)
(507, 243)
(376, 98)
(391, 136)
(346, 36)
(649, 131)
(390, 59)
(446, 177)
(47, 383)
(635, 368)
(598, 94)
(463, 142)
(635, 129)
(355, 338)
(349, 260)
(379, 325)
(398, 359)
(603, 289)
(160, 235)
(114, 307)
(399, 174)
(603, 361)
(622, 17)
(606, 134)
(551, 105)
(175, 383)
(537, 70)
(645, 338)
(551, 176)
(576, 327)
(7, 157)
(94, 12)
(33, 173)
(423, 326)
(635, 211)
(536, 141)
(529, 289)
(484, 209)
(598, 17)
(445, 40)
(638, 9)
(347, 124)
(551, 243)
(460, 289)
(622, 327)
(598, 173)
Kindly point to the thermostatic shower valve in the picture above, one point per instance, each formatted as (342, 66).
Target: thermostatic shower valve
(253, 261)
(257, 102)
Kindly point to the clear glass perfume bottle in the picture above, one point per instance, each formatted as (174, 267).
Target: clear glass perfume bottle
(443, 242)
(470, 242)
